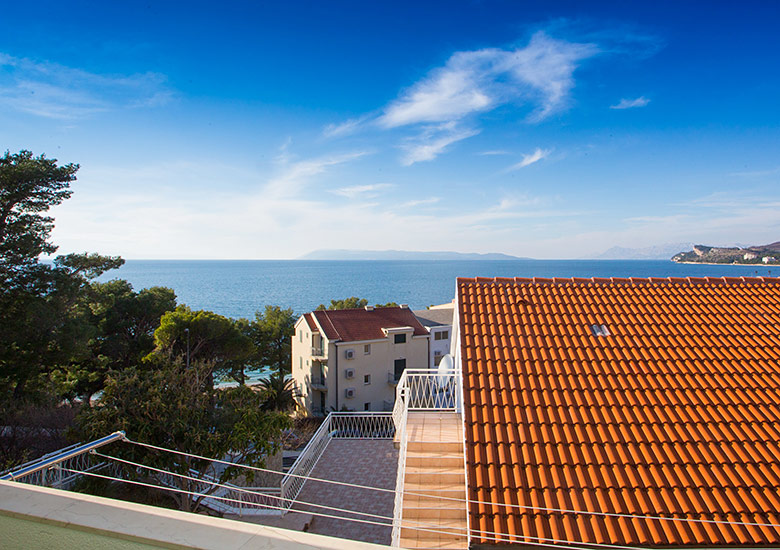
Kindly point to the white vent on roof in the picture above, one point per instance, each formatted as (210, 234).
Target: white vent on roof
(599, 330)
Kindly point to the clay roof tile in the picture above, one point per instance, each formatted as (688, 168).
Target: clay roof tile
(675, 412)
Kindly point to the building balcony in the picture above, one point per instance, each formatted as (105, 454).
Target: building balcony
(391, 379)
(319, 352)
(319, 383)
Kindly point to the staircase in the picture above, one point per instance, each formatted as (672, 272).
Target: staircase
(434, 468)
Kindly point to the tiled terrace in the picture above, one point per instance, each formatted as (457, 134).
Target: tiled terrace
(363, 462)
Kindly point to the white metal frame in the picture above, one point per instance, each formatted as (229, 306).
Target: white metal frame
(419, 390)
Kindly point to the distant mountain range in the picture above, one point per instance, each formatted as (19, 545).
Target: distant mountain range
(401, 255)
(762, 254)
(659, 252)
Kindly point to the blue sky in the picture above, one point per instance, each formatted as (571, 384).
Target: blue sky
(541, 129)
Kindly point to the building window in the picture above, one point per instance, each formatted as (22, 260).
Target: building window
(300, 336)
(300, 362)
(437, 359)
(366, 379)
(442, 335)
(398, 368)
(367, 349)
(366, 406)
(399, 339)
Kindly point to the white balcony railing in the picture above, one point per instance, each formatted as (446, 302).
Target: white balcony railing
(418, 390)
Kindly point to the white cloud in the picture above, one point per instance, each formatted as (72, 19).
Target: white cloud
(433, 141)
(630, 103)
(363, 191)
(493, 153)
(540, 74)
(345, 128)
(420, 202)
(56, 91)
(295, 175)
(530, 158)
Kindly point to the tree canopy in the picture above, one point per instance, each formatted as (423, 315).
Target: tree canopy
(173, 406)
(351, 303)
(29, 186)
(272, 333)
(205, 335)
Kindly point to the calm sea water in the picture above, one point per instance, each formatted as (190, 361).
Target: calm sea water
(238, 288)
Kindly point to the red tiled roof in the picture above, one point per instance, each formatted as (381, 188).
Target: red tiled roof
(352, 325)
(310, 322)
(676, 413)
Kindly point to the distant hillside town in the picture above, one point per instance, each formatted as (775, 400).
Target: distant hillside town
(764, 255)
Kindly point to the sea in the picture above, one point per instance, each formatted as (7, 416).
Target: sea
(239, 288)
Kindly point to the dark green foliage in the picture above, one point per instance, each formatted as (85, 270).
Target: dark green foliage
(118, 327)
(204, 335)
(175, 407)
(278, 392)
(347, 303)
(29, 186)
(351, 303)
(272, 333)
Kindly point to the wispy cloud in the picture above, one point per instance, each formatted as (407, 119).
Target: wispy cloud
(294, 175)
(442, 107)
(345, 128)
(55, 91)
(433, 141)
(756, 173)
(420, 202)
(540, 74)
(530, 159)
(363, 191)
(630, 103)
(492, 153)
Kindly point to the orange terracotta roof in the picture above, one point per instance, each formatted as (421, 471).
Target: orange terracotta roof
(354, 325)
(674, 411)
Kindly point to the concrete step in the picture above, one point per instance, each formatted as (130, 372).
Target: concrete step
(440, 459)
(435, 446)
(445, 529)
(434, 478)
(415, 544)
(453, 501)
(426, 513)
(419, 487)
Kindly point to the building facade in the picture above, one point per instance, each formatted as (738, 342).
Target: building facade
(352, 359)
(437, 320)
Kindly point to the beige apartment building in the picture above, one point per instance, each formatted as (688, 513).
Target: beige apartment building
(353, 358)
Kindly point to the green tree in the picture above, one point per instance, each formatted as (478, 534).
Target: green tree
(272, 333)
(347, 303)
(42, 331)
(120, 325)
(175, 407)
(351, 303)
(205, 336)
(37, 328)
(278, 392)
(29, 186)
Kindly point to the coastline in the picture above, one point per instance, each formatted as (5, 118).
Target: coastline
(732, 264)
